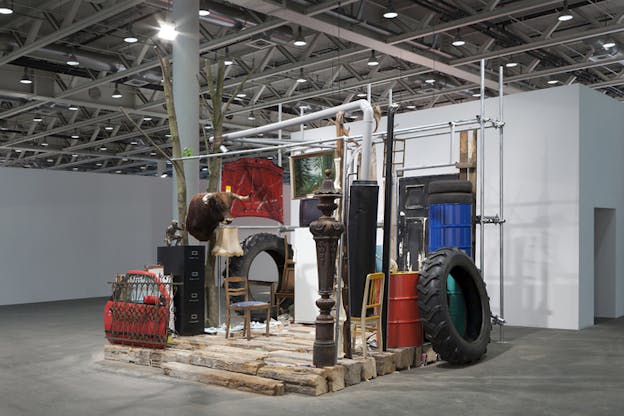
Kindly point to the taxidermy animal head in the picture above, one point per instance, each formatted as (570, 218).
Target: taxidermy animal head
(207, 210)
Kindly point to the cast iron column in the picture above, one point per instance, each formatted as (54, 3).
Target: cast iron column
(326, 231)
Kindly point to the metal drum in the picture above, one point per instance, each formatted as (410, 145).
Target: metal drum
(404, 324)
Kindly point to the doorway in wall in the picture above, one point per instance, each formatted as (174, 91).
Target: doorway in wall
(604, 263)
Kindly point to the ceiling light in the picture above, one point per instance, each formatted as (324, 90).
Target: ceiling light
(299, 39)
(458, 42)
(18, 150)
(6, 8)
(25, 78)
(362, 95)
(116, 92)
(50, 160)
(147, 118)
(167, 31)
(394, 105)
(204, 169)
(476, 95)
(37, 118)
(608, 44)
(131, 39)
(117, 171)
(390, 12)
(74, 169)
(241, 95)
(98, 164)
(72, 60)
(44, 143)
(143, 167)
(74, 155)
(72, 107)
(75, 136)
(125, 159)
(223, 149)
(251, 116)
(204, 12)
(164, 175)
(565, 15)
(553, 82)
(152, 153)
(430, 81)
(108, 127)
(134, 142)
(301, 78)
(167, 135)
(103, 148)
(511, 64)
(410, 107)
(227, 60)
(372, 61)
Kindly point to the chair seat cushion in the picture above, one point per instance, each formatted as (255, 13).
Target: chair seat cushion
(248, 303)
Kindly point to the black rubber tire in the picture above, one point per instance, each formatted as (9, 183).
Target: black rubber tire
(433, 304)
(252, 246)
(450, 185)
(450, 198)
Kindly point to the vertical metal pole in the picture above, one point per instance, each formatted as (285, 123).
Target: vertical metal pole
(385, 266)
(452, 124)
(481, 144)
(279, 134)
(369, 92)
(341, 245)
(500, 202)
(390, 98)
(301, 126)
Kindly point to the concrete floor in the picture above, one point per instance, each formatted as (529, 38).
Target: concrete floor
(51, 364)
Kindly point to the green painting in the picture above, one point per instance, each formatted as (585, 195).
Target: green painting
(307, 172)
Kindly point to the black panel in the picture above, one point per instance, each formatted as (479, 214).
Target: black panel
(362, 236)
(308, 211)
(412, 221)
(186, 265)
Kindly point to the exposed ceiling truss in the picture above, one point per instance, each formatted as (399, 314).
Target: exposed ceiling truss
(66, 119)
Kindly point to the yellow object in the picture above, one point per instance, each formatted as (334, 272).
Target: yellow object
(228, 188)
(372, 300)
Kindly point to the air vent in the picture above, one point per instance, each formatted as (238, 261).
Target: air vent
(260, 43)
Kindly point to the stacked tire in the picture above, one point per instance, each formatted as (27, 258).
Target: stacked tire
(450, 215)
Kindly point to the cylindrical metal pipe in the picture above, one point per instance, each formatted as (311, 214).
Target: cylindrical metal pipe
(501, 201)
(481, 144)
(451, 142)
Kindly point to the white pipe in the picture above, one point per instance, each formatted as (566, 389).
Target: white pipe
(481, 145)
(500, 203)
(367, 139)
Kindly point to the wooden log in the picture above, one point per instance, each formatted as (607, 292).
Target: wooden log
(309, 381)
(353, 371)
(369, 368)
(227, 362)
(243, 382)
(384, 362)
(404, 357)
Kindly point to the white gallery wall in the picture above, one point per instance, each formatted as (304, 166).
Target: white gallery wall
(548, 271)
(64, 235)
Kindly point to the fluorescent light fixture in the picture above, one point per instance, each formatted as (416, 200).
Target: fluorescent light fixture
(608, 44)
(72, 107)
(131, 39)
(25, 78)
(511, 64)
(204, 12)
(553, 81)
(390, 12)
(72, 60)
(372, 60)
(167, 31)
(147, 118)
(299, 39)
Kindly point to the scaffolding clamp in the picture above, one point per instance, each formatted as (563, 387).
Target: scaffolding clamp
(490, 220)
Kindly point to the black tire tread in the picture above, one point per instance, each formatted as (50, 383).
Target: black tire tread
(450, 185)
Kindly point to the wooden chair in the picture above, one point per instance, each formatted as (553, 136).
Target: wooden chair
(372, 301)
(286, 289)
(238, 286)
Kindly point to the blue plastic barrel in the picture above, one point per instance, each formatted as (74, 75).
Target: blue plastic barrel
(450, 225)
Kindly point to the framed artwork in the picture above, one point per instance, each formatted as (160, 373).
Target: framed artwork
(307, 172)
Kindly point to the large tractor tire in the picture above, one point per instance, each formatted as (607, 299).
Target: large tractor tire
(252, 246)
(451, 185)
(454, 346)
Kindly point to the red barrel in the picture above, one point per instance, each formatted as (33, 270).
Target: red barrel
(404, 324)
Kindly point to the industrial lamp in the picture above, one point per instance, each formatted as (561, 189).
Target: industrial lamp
(390, 12)
(25, 78)
(565, 15)
(301, 78)
(299, 39)
(6, 7)
(372, 61)
(116, 92)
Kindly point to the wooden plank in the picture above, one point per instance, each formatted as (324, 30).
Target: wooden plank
(309, 381)
(463, 155)
(242, 382)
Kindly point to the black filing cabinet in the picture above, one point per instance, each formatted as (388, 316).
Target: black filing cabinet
(186, 265)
